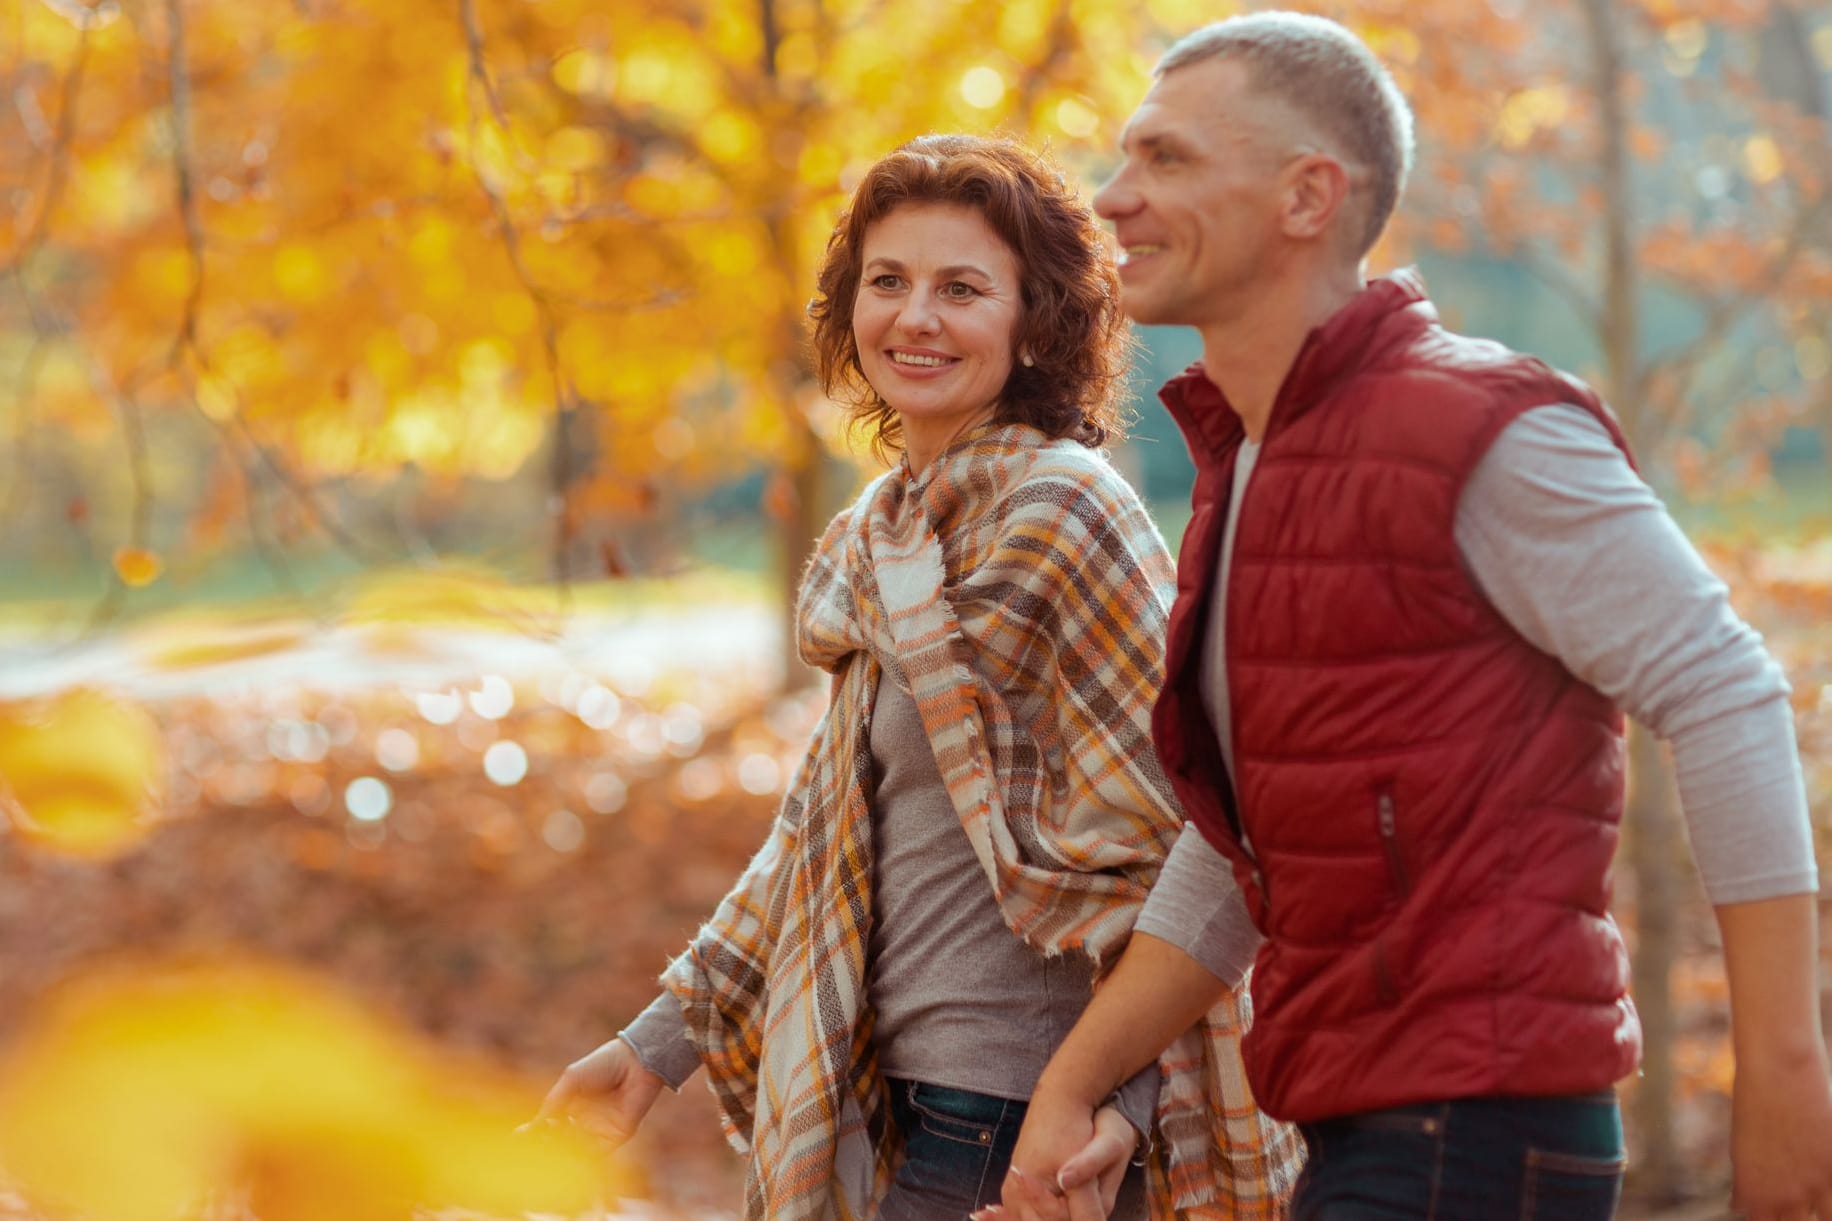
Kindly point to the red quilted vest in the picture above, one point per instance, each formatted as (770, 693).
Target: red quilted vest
(1431, 803)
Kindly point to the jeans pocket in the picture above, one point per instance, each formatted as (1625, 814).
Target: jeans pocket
(1570, 1187)
(936, 1121)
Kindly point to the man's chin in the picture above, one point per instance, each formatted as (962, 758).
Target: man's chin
(1146, 309)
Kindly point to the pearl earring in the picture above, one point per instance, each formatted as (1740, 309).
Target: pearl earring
(1025, 359)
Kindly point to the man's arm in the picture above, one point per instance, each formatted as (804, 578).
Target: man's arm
(1582, 559)
(1781, 1111)
(1193, 921)
(1155, 993)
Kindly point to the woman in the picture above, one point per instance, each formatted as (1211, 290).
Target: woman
(980, 813)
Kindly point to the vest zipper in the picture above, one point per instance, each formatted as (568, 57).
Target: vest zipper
(1383, 976)
(1389, 841)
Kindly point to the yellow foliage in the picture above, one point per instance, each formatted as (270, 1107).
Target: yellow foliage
(300, 275)
(1763, 159)
(136, 1093)
(574, 150)
(374, 201)
(589, 74)
(1529, 111)
(79, 771)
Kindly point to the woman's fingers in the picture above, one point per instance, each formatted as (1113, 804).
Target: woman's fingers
(554, 1105)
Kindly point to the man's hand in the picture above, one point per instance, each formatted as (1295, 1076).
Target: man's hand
(1092, 1168)
(1155, 992)
(1056, 1128)
(1781, 1141)
(607, 1092)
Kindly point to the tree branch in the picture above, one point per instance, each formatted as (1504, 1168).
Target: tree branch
(179, 84)
(561, 474)
(58, 167)
(1681, 362)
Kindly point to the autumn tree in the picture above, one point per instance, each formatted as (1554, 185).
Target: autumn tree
(334, 243)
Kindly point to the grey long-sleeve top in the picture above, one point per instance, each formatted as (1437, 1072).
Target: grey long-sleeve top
(958, 1000)
(1582, 559)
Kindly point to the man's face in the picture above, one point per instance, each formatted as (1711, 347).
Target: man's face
(1196, 202)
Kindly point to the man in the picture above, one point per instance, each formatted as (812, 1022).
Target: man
(1420, 579)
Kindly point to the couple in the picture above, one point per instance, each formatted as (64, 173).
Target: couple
(983, 963)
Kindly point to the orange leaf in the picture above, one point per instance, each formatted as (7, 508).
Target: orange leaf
(136, 566)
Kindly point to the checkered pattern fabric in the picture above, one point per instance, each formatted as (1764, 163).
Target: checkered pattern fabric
(1018, 589)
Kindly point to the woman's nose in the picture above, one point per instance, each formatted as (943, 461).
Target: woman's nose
(918, 315)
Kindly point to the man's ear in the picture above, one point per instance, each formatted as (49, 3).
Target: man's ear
(1316, 192)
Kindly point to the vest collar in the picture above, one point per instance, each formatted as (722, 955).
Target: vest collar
(1332, 352)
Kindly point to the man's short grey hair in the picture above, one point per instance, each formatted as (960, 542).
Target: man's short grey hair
(1324, 73)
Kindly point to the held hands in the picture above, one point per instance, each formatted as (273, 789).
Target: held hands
(1067, 1166)
(607, 1092)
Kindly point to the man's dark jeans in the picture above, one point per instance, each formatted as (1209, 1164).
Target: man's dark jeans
(957, 1147)
(1477, 1159)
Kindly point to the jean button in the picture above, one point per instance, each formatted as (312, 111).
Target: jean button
(985, 1138)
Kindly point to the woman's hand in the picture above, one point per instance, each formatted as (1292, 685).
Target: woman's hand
(1086, 1185)
(607, 1092)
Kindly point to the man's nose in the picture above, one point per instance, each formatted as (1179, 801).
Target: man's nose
(1116, 198)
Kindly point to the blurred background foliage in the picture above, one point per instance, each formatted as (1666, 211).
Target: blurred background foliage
(407, 436)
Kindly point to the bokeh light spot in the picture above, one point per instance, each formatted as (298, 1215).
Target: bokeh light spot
(982, 87)
(505, 763)
(562, 831)
(368, 799)
(397, 750)
(494, 698)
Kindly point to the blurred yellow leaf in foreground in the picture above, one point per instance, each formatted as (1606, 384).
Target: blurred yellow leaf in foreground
(79, 771)
(141, 1093)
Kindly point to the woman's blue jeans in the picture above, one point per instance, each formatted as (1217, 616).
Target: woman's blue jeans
(1509, 1159)
(957, 1148)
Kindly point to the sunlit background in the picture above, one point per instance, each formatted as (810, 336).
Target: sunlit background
(406, 428)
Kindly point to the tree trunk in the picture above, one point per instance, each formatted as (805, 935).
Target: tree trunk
(798, 521)
(799, 499)
(1649, 820)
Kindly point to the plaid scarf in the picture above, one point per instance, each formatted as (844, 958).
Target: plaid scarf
(1019, 590)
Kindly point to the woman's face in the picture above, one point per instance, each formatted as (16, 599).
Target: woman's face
(934, 319)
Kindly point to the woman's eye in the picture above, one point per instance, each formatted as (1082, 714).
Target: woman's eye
(959, 291)
(886, 281)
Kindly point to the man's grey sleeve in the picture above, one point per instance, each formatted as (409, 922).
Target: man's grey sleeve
(1583, 560)
(1196, 905)
(660, 1040)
